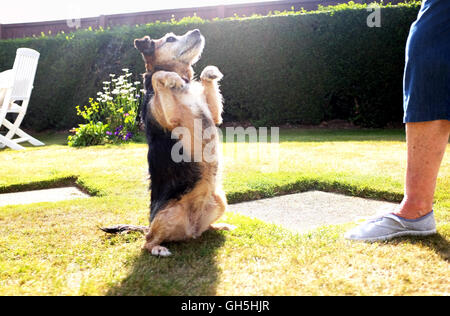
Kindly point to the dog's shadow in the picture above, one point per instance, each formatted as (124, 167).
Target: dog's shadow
(191, 270)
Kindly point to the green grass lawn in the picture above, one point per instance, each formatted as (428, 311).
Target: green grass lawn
(56, 248)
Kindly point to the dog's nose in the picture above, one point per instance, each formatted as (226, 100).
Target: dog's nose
(196, 32)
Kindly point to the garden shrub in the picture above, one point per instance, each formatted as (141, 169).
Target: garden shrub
(90, 134)
(290, 67)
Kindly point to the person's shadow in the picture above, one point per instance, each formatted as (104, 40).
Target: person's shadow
(191, 270)
(437, 243)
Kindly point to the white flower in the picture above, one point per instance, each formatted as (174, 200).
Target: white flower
(112, 75)
(115, 91)
(125, 70)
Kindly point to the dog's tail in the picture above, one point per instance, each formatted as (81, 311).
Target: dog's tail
(122, 229)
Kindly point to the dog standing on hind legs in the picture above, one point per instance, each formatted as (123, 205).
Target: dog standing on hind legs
(186, 196)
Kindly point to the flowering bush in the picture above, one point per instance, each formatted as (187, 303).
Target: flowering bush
(89, 134)
(116, 108)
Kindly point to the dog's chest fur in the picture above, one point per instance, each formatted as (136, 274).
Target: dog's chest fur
(172, 180)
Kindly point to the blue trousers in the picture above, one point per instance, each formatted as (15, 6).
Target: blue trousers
(426, 83)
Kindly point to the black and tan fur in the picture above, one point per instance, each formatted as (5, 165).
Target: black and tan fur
(186, 197)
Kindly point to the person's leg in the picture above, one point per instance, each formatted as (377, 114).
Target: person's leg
(426, 101)
(426, 143)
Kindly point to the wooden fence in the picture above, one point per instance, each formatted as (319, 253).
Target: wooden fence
(19, 30)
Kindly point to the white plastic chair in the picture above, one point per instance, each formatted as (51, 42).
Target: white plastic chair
(15, 86)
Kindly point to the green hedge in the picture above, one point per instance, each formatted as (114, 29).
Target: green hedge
(291, 67)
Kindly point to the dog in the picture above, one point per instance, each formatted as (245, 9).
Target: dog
(180, 116)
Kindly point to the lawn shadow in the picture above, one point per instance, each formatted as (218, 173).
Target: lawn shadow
(191, 270)
(286, 135)
(437, 243)
(48, 138)
(314, 135)
(305, 185)
(342, 135)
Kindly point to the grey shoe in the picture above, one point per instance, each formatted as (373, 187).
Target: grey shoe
(389, 226)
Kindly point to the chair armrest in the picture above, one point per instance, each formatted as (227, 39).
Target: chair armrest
(6, 79)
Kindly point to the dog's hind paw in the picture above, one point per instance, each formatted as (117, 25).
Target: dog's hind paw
(222, 226)
(160, 251)
(211, 73)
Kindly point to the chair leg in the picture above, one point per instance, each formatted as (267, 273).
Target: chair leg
(33, 141)
(9, 143)
(15, 130)
(13, 127)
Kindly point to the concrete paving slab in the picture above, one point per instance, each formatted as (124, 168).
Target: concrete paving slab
(305, 211)
(298, 212)
(50, 195)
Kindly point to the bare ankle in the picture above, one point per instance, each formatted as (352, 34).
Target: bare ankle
(413, 209)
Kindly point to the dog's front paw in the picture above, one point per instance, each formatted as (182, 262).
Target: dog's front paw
(169, 80)
(211, 73)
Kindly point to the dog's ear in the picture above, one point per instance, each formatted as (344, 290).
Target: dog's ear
(145, 45)
(148, 81)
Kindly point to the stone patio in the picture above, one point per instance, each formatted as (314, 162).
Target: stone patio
(50, 195)
(305, 211)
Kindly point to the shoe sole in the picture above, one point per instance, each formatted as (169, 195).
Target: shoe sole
(395, 235)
